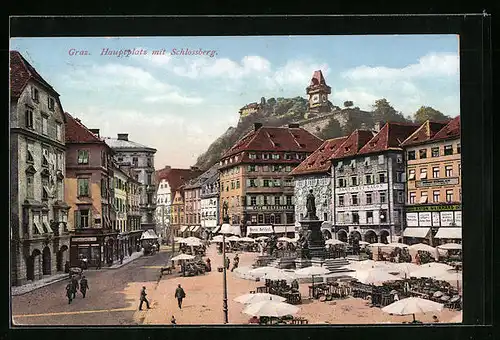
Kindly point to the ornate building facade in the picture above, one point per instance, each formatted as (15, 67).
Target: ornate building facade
(38, 217)
(210, 200)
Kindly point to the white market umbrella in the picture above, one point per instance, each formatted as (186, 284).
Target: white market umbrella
(192, 243)
(377, 245)
(373, 276)
(182, 257)
(334, 242)
(258, 297)
(431, 270)
(262, 238)
(312, 270)
(404, 268)
(178, 239)
(286, 239)
(279, 275)
(450, 246)
(246, 239)
(190, 239)
(412, 306)
(261, 270)
(363, 243)
(233, 238)
(217, 238)
(368, 264)
(397, 245)
(422, 247)
(270, 309)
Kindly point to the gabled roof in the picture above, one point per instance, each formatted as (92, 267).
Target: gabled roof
(177, 177)
(319, 160)
(21, 72)
(450, 131)
(116, 143)
(351, 146)
(76, 132)
(389, 137)
(276, 139)
(424, 133)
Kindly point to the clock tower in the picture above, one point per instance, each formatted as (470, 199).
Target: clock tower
(318, 93)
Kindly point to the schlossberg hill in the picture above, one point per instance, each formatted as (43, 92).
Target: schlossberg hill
(283, 111)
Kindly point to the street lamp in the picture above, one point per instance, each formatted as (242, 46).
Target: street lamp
(225, 229)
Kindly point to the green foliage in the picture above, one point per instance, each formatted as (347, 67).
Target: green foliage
(348, 103)
(384, 112)
(429, 113)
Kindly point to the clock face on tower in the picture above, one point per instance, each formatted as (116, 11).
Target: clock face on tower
(315, 98)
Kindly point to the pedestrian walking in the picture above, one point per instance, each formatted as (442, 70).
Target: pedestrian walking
(84, 285)
(74, 286)
(227, 262)
(236, 261)
(69, 292)
(180, 294)
(121, 258)
(143, 298)
(173, 321)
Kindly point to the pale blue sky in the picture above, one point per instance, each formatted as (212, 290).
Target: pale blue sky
(179, 104)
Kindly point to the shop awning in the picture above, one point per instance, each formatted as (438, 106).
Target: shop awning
(183, 228)
(47, 226)
(259, 229)
(284, 229)
(416, 232)
(195, 228)
(149, 235)
(446, 232)
(39, 227)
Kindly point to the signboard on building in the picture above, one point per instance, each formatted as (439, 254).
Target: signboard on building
(444, 207)
(271, 207)
(425, 183)
(446, 218)
(436, 219)
(458, 218)
(84, 239)
(425, 219)
(259, 229)
(412, 219)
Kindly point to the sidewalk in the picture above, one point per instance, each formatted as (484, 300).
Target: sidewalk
(126, 260)
(20, 290)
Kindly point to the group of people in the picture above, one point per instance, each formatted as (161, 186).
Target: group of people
(236, 261)
(73, 286)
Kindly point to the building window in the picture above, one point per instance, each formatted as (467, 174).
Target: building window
(423, 197)
(354, 199)
(251, 183)
(29, 117)
(423, 173)
(325, 217)
(369, 216)
(383, 216)
(83, 157)
(252, 156)
(276, 156)
(35, 94)
(435, 172)
(448, 171)
(59, 132)
(51, 103)
(342, 182)
(251, 168)
(411, 155)
(45, 125)
(253, 200)
(399, 159)
(276, 200)
(381, 177)
(449, 195)
(30, 187)
(399, 177)
(435, 151)
(265, 183)
(412, 197)
(237, 184)
(435, 196)
(261, 219)
(232, 185)
(290, 218)
(354, 181)
(265, 156)
(103, 188)
(83, 218)
(400, 197)
(369, 179)
(382, 197)
(289, 200)
(369, 198)
(83, 187)
(381, 159)
(411, 174)
(135, 161)
(448, 150)
(355, 217)
(422, 153)
(458, 148)
(459, 169)
(288, 168)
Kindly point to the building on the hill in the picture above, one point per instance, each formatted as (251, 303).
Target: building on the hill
(318, 92)
(370, 186)
(254, 176)
(249, 109)
(38, 216)
(140, 159)
(315, 173)
(433, 202)
(89, 192)
(210, 200)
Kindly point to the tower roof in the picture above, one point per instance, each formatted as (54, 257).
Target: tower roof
(317, 79)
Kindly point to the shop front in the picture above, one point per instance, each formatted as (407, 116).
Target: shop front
(259, 230)
(285, 230)
(92, 249)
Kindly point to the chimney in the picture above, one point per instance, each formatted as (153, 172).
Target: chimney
(257, 126)
(123, 136)
(293, 126)
(95, 132)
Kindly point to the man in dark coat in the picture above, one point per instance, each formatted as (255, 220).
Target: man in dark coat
(236, 261)
(84, 285)
(143, 298)
(180, 294)
(74, 286)
(227, 262)
(69, 292)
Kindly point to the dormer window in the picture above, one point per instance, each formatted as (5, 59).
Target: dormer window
(252, 156)
(276, 156)
(265, 156)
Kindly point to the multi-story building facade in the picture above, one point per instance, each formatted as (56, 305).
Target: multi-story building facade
(38, 217)
(434, 195)
(254, 175)
(210, 200)
(177, 225)
(315, 173)
(192, 204)
(89, 193)
(369, 184)
(140, 158)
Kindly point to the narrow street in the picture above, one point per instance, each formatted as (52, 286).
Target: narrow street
(112, 298)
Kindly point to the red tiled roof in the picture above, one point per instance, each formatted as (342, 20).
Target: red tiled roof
(450, 131)
(353, 144)
(319, 160)
(389, 137)
(177, 177)
(276, 139)
(424, 133)
(76, 132)
(317, 79)
(21, 72)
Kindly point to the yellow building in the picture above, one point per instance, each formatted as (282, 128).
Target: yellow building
(433, 166)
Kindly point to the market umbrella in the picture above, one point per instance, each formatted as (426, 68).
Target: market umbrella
(217, 239)
(246, 239)
(404, 268)
(367, 264)
(233, 238)
(450, 246)
(178, 239)
(374, 276)
(271, 309)
(312, 271)
(182, 257)
(286, 239)
(262, 238)
(397, 245)
(377, 245)
(363, 243)
(412, 305)
(190, 239)
(422, 247)
(258, 297)
(334, 242)
(279, 274)
(431, 270)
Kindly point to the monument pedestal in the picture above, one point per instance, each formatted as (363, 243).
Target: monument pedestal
(317, 261)
(263, 260)
(302, 263)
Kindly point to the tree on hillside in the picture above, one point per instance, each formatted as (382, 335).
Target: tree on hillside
(383, 111)
(331, 130)
(429, 113)
(271, 102)
(348, 103)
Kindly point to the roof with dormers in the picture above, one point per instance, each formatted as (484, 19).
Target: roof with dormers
(351, 146)
(450, 131)
(424, 133)
(270, 139)
(21, 72)
(389, 137)
(319, 160)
